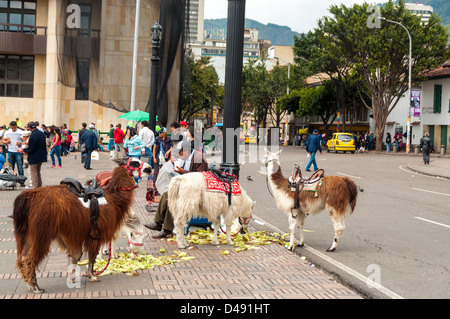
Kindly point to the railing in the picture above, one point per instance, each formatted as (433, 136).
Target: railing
(23, 28)
(82, 33)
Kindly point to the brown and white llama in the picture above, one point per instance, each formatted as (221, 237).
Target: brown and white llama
(336, 194)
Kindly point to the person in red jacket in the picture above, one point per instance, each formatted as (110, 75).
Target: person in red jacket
(118, 140)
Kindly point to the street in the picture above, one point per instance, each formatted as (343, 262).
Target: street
(397, 235)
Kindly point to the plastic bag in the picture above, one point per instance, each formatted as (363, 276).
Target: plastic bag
(95, 156)
(165, 174)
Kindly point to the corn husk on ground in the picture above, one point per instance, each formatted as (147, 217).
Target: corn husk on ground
(131, 267)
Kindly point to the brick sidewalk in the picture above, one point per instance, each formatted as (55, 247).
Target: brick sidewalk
(268, 272)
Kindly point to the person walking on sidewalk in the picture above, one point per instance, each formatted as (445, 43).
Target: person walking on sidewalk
(425, 146)
(37, 153)
(89, 139)
(55, 148)
(119, 135)
(312, 146)
(388, 142)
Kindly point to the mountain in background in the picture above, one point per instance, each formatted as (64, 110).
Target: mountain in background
(279, 35)
(441, 7)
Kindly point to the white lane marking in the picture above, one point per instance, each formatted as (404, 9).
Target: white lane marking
(351, 176)
(339, 265)
(433, 222)
(424, 190)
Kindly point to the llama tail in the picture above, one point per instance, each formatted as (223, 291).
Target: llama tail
(20, 216)
(353, 192)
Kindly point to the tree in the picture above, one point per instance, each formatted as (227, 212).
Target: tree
(380, 55)
(199, 78)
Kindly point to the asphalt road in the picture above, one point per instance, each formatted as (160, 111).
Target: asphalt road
(395, 244)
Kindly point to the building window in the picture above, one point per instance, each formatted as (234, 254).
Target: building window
(16, 75)
(17, 16)
(437, 102)
(82, 88)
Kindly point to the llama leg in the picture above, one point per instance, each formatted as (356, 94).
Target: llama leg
(229, 225)
(27, 268)
(113, 249)
(94, 248)
(29, 275)
(216, 225)
(73, 259)
(301, 221)
(292, 225)
(179, 227)
(339, 226)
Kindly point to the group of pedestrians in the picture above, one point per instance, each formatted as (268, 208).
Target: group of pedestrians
(30, 143)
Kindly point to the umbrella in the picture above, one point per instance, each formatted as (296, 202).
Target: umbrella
(138, 116)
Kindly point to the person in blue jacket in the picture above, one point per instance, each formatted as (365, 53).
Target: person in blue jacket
(89, 139)
(312, 146)
(133, 143)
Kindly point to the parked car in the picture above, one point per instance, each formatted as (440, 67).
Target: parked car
(250, 139)
(341, 142)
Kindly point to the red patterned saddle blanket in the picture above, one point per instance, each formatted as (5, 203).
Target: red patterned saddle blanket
(213, 184)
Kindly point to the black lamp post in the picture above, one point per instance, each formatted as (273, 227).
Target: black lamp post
(233, 86)
(156, 40)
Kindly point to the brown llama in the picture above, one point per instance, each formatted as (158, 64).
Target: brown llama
(55, 214)
(336, 194)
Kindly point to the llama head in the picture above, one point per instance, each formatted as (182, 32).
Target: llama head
(136, 243)
(271, 160)
(135, 166)
(246, 216)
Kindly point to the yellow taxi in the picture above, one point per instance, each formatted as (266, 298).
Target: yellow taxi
(250, 139)
(341, 142)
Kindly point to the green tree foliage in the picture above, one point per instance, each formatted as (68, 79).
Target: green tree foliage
(199, 78)
(380, 55)
(261, 90)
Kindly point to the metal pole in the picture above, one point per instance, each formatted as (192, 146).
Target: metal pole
(408, 118)
(135, 53)
(233, 86)
(154, 78)
(212, 105)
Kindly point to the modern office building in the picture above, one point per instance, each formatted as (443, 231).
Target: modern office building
(195, 12)
(422, 10)
(64, 61)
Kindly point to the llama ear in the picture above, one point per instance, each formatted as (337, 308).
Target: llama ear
(119, 161)
(279, 152)
(253, 205)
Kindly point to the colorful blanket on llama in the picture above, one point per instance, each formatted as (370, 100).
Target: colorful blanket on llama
(213, 184)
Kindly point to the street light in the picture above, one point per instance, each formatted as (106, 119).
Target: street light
(156, 39)
(408, 122)
(289, 71)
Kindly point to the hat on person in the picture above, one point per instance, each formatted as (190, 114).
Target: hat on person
(31, 124)
(91, 125)
(26, 133)
(315, 131)
(183, 123)
(162, 130)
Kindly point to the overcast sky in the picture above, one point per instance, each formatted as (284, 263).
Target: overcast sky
(299, 15)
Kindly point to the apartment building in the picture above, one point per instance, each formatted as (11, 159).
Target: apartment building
(70, 62)
(422, 10)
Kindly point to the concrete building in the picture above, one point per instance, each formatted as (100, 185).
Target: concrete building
(216, 48)
(70, 62)
(422, 10)
(195, 21)
(435, 105)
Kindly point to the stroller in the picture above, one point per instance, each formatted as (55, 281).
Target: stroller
(9, 178)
